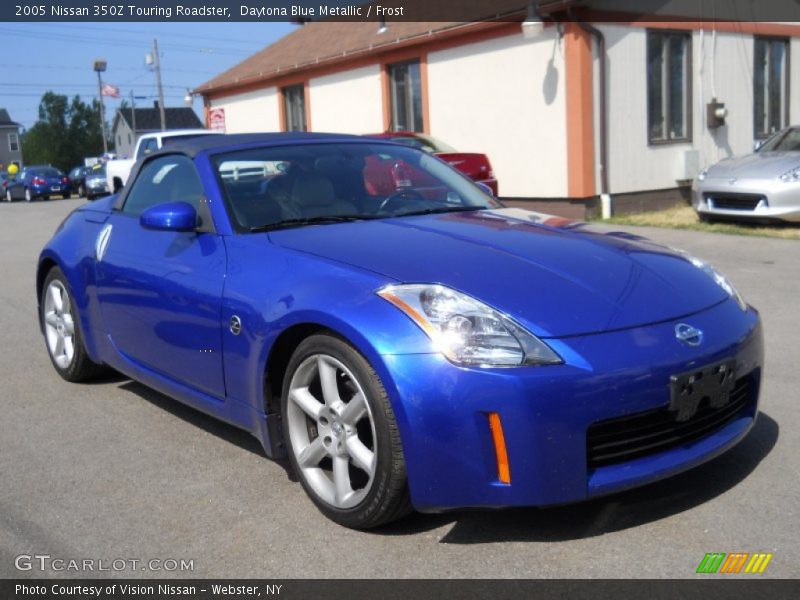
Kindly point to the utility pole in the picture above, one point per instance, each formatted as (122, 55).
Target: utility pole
(133, 114)
(157, 67)
(100, 66)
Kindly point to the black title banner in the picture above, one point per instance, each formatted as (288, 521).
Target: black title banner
(396, 10)
(403, 589)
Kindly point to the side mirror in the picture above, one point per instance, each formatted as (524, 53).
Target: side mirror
(485, 188)
(170, 216)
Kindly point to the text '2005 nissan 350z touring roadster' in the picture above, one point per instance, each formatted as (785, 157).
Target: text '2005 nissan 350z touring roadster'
(407, 341)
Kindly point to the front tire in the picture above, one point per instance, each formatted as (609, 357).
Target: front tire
(341, 435)
(62, 331)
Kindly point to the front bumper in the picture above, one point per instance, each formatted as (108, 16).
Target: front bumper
(97, 188)
(763, 199)
(546, 412)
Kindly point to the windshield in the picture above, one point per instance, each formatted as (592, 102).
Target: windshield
(47, 173)
(316, 183)
(784, 141)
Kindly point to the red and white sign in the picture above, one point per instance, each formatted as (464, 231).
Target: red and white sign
(216, 119)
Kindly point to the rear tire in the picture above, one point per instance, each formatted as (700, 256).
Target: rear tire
(28, 195)
(341, 435)
(62, 331)
(66, 196)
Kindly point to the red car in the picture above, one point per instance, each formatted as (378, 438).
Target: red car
(475, 166)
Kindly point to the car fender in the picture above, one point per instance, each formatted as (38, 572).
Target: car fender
(72, 250)
(324, 294)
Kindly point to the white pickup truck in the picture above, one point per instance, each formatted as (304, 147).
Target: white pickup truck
(117, 171)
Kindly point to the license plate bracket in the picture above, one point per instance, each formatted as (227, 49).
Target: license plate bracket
(712, 384)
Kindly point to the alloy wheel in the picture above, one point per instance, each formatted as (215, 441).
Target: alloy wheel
(59, 324)
(332, 431)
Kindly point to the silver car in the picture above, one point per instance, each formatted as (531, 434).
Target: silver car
(760, 186)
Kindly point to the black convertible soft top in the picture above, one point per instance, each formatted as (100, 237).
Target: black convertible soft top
(195, 144)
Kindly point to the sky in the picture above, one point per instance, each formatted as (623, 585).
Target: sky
(40, 57)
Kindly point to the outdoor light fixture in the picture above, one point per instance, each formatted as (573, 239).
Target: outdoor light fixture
(533, 25)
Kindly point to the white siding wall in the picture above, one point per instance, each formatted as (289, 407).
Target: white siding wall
(251, 111)
(347, 102)
(505, 97)
(637, 166)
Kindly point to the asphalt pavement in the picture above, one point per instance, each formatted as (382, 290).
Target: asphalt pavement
(115, 471)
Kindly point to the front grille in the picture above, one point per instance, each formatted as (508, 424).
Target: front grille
(626, 438)
(732, 201)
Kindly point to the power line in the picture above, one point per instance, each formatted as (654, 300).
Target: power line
(36, 35)
(110, 68)
(171, 34)
(77, 85)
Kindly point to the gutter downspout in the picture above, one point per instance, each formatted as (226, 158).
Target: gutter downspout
(605, 197)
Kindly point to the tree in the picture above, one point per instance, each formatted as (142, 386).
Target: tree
(65, 133)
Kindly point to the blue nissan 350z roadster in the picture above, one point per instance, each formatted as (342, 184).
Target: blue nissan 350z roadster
(407, 341)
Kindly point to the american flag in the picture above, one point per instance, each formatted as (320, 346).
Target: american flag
(110, 90)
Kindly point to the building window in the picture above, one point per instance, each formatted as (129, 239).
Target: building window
(405, 93)
(294, 105)
(770, 85)
(13, 142)
(669, 68)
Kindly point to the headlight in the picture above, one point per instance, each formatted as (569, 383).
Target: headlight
(702, 175)
(720, 280)
(467, 331)
(792, 176)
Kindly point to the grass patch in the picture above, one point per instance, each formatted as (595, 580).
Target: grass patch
(684, 217)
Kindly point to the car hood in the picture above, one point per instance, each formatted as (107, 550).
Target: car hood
(762, 165)
(556, 276)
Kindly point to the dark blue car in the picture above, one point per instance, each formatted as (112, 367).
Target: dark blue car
(36, 182)
(421, 346)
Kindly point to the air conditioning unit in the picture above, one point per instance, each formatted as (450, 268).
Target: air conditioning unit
(688, 166)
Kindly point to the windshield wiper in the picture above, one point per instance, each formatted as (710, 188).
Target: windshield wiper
(443, 209)
(320, 220)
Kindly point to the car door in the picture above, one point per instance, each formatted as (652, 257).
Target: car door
(160, 291)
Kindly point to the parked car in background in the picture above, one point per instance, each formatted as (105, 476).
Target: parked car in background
(119, 169)
(474, 165)
(38, 182)
(76, 177)
(96, 183)
(427, 348)
(761, 186)
(4, 179)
